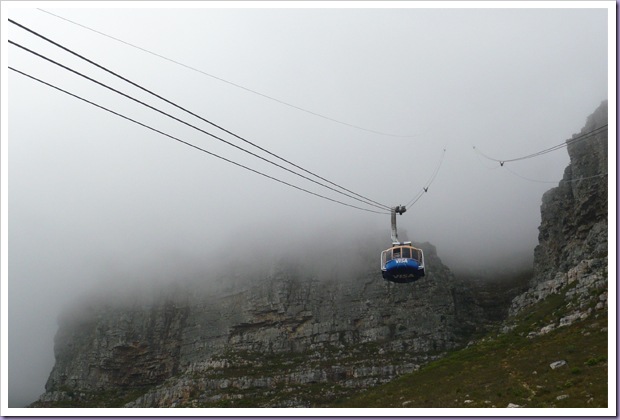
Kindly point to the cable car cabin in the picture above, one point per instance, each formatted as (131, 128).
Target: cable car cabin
(402, 263)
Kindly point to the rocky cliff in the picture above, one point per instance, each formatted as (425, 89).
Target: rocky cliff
(574, 214)
(265, 340)
(302, 333)
(553, 349)
(571, 258)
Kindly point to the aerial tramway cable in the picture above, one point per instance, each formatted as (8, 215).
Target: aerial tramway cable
(548, 150)
(364, 200)
(367, 200)
(394, 268)
(189, 144)
(383, 207)
(428, 183)
(231, 83)
(402, 263)
(568, 142)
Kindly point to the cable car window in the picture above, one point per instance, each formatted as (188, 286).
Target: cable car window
(406, 252)
(397, 252)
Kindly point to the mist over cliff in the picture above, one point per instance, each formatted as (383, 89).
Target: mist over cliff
(218, 336)
(323, 305)
(129, 244)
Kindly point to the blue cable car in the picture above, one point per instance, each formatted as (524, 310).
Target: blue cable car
(402, 263)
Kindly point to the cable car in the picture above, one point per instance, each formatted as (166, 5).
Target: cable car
(402, 262)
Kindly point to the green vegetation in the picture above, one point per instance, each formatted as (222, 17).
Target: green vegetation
(510, 368)
(499, 369)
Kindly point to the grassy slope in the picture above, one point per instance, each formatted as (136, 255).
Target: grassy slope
(511, 368)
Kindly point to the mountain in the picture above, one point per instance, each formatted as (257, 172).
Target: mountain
(310, 330)
(573, 234)
(338, 327)
(574, 214)
(552, 349)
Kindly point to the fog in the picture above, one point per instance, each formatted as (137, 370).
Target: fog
(93, 198)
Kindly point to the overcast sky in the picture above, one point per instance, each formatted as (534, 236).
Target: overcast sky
(90, 193)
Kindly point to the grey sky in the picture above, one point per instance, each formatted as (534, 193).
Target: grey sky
(90, 193)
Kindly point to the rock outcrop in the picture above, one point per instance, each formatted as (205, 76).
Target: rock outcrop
(571, 258)
(574, 214)
(345, 328)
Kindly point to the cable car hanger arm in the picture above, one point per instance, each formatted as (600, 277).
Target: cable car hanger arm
(400, 210)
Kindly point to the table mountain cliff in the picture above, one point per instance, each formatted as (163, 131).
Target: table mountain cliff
(299, 334)
(574, 214)
(552, 350)
(340, 328)
(573, 233)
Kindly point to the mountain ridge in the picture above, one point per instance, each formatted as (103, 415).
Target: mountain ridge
(300, 334)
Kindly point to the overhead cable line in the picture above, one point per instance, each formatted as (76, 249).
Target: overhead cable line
(190, 125)
(190, 144)
(229, 82)
(428, 183)
(548, 150)
(365, 199)
(484, 163)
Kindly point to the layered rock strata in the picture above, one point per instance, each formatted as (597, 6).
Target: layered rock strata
(345, 328)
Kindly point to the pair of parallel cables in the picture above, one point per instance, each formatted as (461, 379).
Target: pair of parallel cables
(588, 135)
(352, 194)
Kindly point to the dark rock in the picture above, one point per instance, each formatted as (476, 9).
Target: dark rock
(571, 257)
(574, 214)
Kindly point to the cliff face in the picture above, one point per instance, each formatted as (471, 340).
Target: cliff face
(343, 328)
(304, 333)
(571, 258)
(574, 214)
